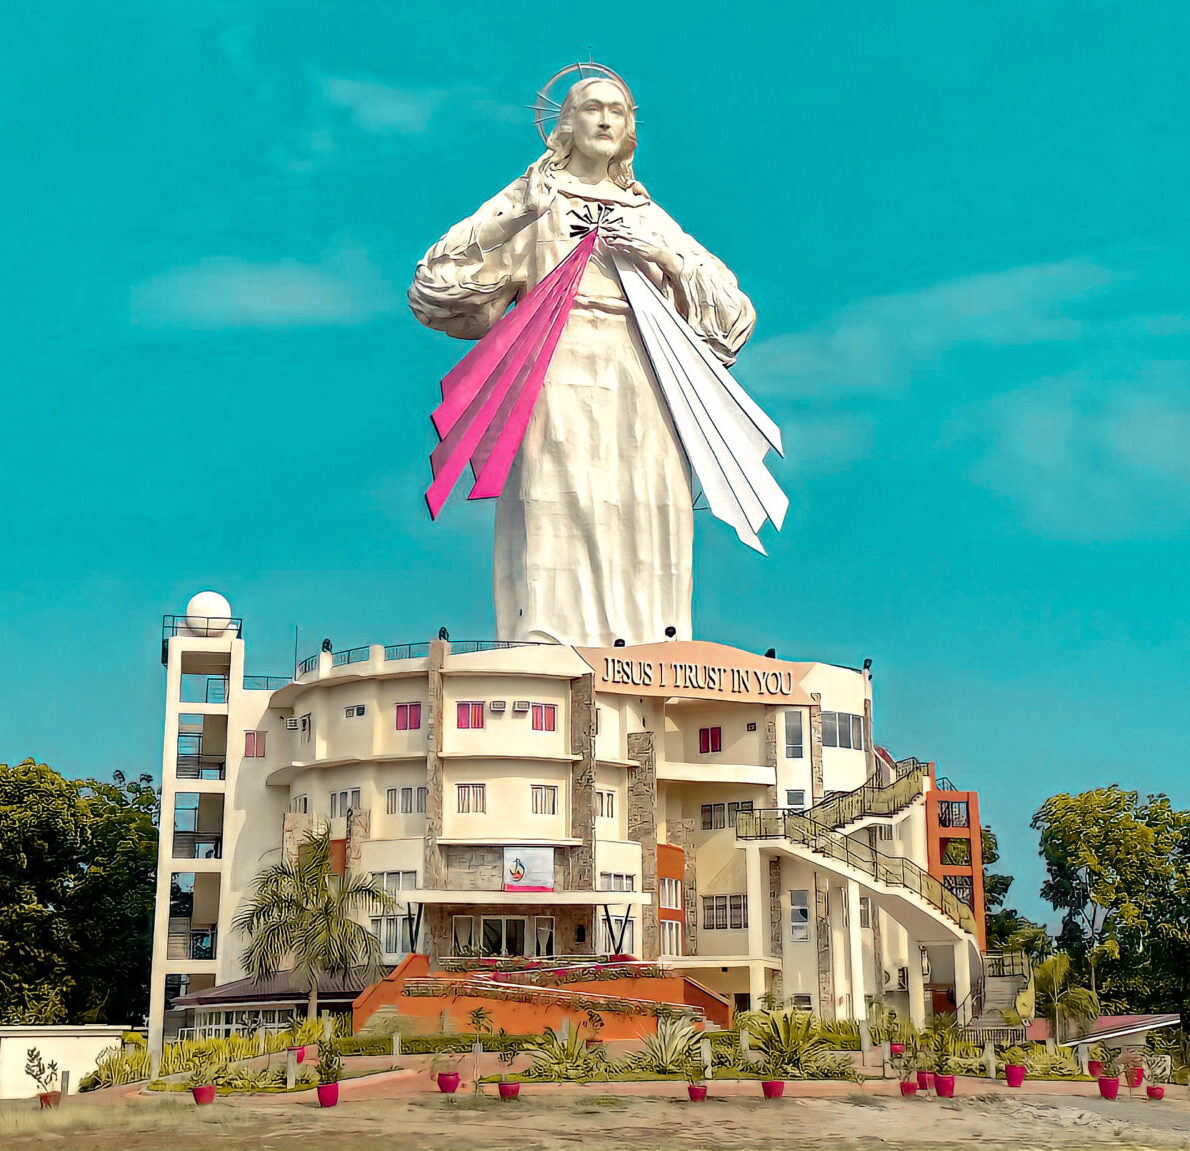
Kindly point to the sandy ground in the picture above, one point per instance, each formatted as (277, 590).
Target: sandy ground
(400, 1109)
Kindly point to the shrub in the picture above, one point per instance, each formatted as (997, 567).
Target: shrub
(565, 1060)
(673, 1050)
(330, 1065)
(791, 1046)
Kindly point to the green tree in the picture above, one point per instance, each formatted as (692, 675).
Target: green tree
(1104, 862)
(1067, 1005)
(77, 861)
(302, 913)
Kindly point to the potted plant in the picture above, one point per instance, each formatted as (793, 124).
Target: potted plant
(506, 1054)
(1158, 1070)
(906, 1068)
(1132, 1069)
(443, 1069)
(1095, 1063)
(330, 1071)
(45, 1075)
(204, 1075)
(696, 1086)
(944, 1073)
(1014, 1066)
(1109, 1076)
(926, 1062)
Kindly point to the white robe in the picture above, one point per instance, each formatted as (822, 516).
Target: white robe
(594, 530)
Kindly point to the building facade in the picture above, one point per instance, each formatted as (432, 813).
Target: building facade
(726, 813)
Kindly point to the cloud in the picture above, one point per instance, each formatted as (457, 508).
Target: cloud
(234, 293)
(1095, 456)
(379, 107)
(876, 344)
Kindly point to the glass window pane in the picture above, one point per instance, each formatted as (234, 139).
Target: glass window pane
(844, 726)
(707, 823)
(857, 732)
(514, 936)
(830, 729)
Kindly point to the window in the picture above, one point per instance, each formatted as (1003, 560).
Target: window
(799, 916)
(473, 798)
(406, 801)
(463, 937)
(865, 911)
(470, 715)
(733, 809)
(884, 831)
(501, 936)
(300, 805)
(598, 712)
(710, 739)
(670, 893)
(724, 912)
(544, 798)
(254, 742)
(306, 728)
(795, 746)
(390, 805)
(605, 804)
(802, 1003)
(545, 716)
(795, 797)
(423, 795)
(671, 937)
(395, 881)
(717, 815)
(840, 729)
(395, 933)
(621, 938)
(344, 801)
(355, 711)
(616, 881)
(409, 716)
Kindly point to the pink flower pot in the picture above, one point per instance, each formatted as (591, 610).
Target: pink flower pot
(1134, 1076)
(908, 1090)
(697, 1092)
(328, 1094)
(448, 1082)
(925, 1080)
(299, 1054)
(1094, 1068)
(1014, 1074)
(1153, 1091)
(1109, 1088)
(203, 1095)
(773, 1088)
(509, 1090)
(896, 1048)
(944, 1085)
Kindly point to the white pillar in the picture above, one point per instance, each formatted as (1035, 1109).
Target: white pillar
(855, 951)
(757, 985)
(962, 983)
(917, 986)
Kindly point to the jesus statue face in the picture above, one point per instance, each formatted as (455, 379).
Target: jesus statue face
(600, 122)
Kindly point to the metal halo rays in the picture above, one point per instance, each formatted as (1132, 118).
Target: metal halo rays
(545, 108)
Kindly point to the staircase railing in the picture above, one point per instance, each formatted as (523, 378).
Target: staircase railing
(870, 799)
(893, 870)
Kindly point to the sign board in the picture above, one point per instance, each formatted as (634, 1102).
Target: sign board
(528, 869)
(696, 669)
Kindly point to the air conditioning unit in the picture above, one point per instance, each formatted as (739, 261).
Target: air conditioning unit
(498, 705)
(521, 705)
(291, 723)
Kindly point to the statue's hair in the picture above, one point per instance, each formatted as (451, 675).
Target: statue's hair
(561, 142)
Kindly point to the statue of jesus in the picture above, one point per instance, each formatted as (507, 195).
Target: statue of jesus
(594, 523)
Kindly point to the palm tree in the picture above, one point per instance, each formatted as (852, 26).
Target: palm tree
(1060, 999)
(301, 911)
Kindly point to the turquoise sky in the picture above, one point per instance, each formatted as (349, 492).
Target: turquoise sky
(964, 227)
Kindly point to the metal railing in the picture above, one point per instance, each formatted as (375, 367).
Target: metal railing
(406, 650)
(172, 625)
(944, 783)
(309, 664)
(1002, 963)
(468, 646)
(350, 655)
(869, 799)
(201, 766)
(892, 870)
(197, 845)
(954, 813)
(265, 682)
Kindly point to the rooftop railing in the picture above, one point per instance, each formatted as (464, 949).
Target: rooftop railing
(399, 651)
(892, 870)
(197, 625)
(350, 655)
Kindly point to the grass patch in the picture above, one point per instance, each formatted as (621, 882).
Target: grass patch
(152, 1117)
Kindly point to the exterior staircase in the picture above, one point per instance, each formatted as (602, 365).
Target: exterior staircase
(872, 798)
(1006, 987)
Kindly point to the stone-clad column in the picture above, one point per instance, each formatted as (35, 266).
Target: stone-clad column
(869, 750)
(433, 868)
(770, 753)
(817, 786)
(642, 828)
(822, 943)
(681, 834)
(776, 922)
(581, 872)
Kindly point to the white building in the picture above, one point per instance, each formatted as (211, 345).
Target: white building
(546, 799)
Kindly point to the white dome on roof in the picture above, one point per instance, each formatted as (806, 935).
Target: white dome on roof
(208, 613)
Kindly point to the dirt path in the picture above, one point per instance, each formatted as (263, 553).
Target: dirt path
(597, 1118)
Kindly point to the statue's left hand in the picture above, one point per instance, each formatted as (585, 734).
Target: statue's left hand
(616, 235)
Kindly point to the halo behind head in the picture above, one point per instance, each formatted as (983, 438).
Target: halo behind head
(548, 105)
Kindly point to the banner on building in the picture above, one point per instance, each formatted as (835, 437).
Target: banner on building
(528, 869)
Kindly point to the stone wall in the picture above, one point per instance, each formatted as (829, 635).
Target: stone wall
(433, 868)
(642, 827)
(681, 834)
(822, 936)
(581, 860)
(817, 789)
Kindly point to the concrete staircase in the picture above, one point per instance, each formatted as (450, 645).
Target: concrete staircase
(1007, 987)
